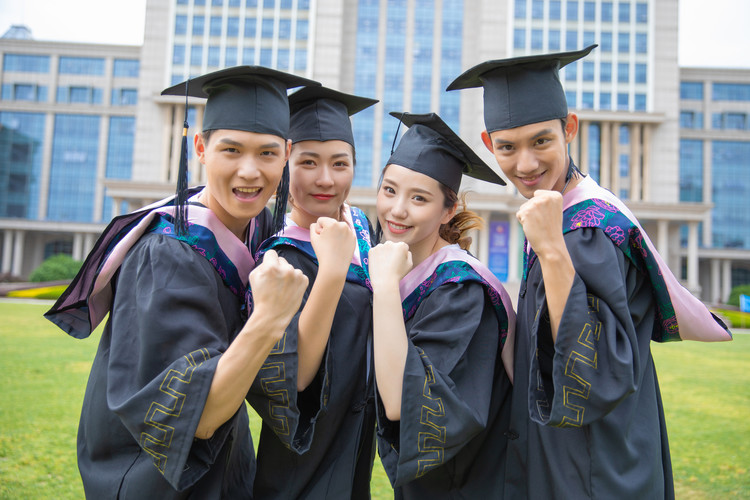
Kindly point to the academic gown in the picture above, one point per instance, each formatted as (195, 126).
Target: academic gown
(587, 417)
(319, 443)
(450, 441)
(175, 308)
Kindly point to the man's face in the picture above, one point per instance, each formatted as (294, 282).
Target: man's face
(534, 156)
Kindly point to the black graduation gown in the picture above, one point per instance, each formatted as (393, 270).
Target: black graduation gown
(450, 441)
(587, 418)
(172, 317)
(319, 444)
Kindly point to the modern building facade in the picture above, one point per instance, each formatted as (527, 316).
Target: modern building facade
(404, 53)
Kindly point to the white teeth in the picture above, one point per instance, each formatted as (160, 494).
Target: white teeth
(397, 226)
(247, 190)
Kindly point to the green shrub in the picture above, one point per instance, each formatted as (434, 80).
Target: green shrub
(734, 295)
(57, 267)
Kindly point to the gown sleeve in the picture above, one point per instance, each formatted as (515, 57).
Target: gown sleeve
(453, 342)
(602, 349)
(289, 413)
(168, 332)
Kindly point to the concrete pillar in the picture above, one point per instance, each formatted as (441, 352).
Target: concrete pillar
(7, 250)
(77, 246)
(583, 158)
(17, 261)
(635, 161)
(726, 280)
(88, 243)
(614, 160)
(715, 281)
(662, 238)
(514, 245)
(605, 155)
(692, 257)
(480, 239)
(646, 174)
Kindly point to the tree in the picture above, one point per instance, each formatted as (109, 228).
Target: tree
(57, 267)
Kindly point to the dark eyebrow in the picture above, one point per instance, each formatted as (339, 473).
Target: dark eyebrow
(310, 153)
(414, 189)
(542, 133)
(271, 145)
(230, 142)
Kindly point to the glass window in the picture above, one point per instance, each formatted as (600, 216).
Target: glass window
(735, 121)
(198, 25)
(214, 55)
(286, 4)
(641, 43)
(285, 28)
(81, 65)
(25, 92)
(588, 73)
(605, 69)
(180, 25)
(199, 2)
(691, 170)
(537, 9)
(23, 135)
(126, 67)
(26, 63)
(230, 56)
(554, 9)
(520, 9)
(215, 26)
(178, 54)
(554, 40)
(571, 40)
(196, 55)
(302, 29)
(606, 41)
(266, 56)
(731, 92)
(641, 13)
(300, 60)
(233, 27)
(62, 95)
(234, 3)
(217, 2)
(96, 95)
(623, 72)
(124, 97)
(250, 27)
(519, 38)
(623, 42)
(267, 28)
(248, 55)
(605, 100)
(7, 92)
(41, 93)
(731, 187)
(589, 11)
(641, 72)
(572, 10)
(282, 59)
(571, 71)
(717, 121)
(691, 90)
(607, 12)
(79, 94)
(589, 38)
(640, 102)
(570, 97)
(595, 152)
(587, 100)
(623, 13)
(537, 39)
(622, 101)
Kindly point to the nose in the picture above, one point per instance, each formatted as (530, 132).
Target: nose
(528, 163)
(324, 178)
(399, 208)
(247, 169)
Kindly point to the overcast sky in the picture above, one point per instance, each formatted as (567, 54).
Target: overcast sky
(713, 37)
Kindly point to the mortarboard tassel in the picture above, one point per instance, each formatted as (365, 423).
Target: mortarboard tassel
(282, 196)
(181, 209)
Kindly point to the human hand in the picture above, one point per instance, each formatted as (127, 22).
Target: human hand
(541, 218)
(389, 262)
(334, 243)
(278, 289)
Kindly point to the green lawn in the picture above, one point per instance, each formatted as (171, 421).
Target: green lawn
(43, 376)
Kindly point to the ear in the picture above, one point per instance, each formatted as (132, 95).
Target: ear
(200, 147)
(487, 141)
(448, 214)
(571, 127)
(288, 150)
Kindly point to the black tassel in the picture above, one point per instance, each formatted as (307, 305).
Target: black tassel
(181, 209)
(282, 196)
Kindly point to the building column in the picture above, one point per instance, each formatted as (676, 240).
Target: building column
(635, 161)
(7, 250)
(662, 238)
(583, 154)
(614, 160)
(605, 155)
(692, 257)
(646, 154)
(88, 243)
(715, 281)
(514, 239)
(17, 261)
(726, 280)
(481, 240)
(77, 246)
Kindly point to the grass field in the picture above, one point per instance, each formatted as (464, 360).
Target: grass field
(44, 372)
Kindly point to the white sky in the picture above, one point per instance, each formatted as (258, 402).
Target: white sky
(718, 36)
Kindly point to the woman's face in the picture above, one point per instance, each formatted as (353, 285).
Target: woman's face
(410, 208)
(243, 170)
(320, 177)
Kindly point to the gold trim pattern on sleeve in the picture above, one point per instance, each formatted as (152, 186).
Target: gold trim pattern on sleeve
(431, 443)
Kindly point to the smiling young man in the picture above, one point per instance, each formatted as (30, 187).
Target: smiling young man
(587, 418)
(164, 411)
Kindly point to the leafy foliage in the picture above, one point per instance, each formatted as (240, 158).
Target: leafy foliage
(57, 267)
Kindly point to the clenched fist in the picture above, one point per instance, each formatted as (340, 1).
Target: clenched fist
(389, 262)
(541, 218)
(277, 288)
(334, 244)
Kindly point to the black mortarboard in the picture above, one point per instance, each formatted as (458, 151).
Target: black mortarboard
(520, 90)
(322, 114)
(249, 98)
(430, 147)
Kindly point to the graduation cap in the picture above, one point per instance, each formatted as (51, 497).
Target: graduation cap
(322, 114)
(520, 90)
(430, 147)
(247, 98)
